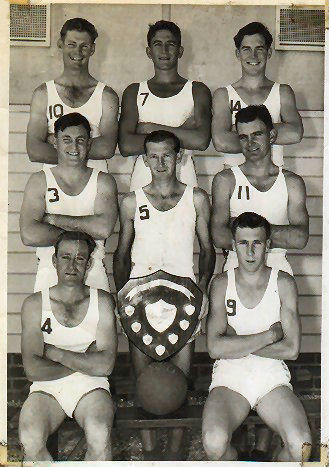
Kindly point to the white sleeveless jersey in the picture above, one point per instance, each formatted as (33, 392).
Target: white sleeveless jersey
(273, 105)
(92, 110)
(58, 202)
(171, 111)
(164, 239)
(77, 338)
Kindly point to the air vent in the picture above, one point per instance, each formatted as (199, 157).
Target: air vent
(300, 28)
(30, 25)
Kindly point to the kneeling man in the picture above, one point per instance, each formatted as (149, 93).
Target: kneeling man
(253, 325)
(69, 346)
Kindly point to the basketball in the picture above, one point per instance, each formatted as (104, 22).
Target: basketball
(161, 388)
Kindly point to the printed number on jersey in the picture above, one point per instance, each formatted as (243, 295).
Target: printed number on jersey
(144, 212)
(235, 106)
(55, 111)
(244, 192)
(46, 327)
(232, 305)
(145, 94)
(54, 194)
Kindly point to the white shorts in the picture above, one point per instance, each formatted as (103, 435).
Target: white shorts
(141, 175)
(253, 377)
(68, 391)
(47, 276)
(274, 259)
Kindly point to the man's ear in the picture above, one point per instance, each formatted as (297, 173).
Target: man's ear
(148, 52)
(269, 53)
(54, 260)
(60, 43)
(273, 135)
(92, 48)
(180, 155)
(55, 141)
(268, 244)
(181, 51)
(89, 263)
(145, 160)
(237, 54)
(89, 143)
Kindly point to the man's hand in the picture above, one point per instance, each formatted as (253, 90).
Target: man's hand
(277, 331)
(52, 353)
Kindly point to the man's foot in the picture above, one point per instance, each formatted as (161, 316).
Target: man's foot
(257, 455)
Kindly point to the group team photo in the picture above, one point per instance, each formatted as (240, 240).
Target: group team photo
(165, 236)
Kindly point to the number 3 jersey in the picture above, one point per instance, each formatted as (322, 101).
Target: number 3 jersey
(77, 338)
(164, 239)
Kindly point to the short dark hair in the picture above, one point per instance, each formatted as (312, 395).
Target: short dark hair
(254, 112)
(252, 221)
(251, 29)
(81, 25)
(162, 135)
(72, 119)
(75, 235)
(160, 26)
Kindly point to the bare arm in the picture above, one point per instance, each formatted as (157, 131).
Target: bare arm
(222, 189)
(288, 347)
(224, 136)
(220, 342)
(35, 231)
(99, 359)
(38, 149)
(99, 225)
(195, 132)
(122, 255)
(36, 366)
(207, 255)
(290, 129)
(294, 235)
(103, 146)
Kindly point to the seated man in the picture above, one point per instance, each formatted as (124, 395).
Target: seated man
(157, 230)
(69, 347)
(69, 196)
(253, 324)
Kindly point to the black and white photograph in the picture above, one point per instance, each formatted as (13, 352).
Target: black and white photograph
(165, 233)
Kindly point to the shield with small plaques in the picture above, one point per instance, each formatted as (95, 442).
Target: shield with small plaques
(160, 312)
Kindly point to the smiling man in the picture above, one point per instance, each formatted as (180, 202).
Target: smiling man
(69, 196)
(165, 102)
(260, 186)
(253, 49)
(253, 325)
(69, 346)
(75, 90)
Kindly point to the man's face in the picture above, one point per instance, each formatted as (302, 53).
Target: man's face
(161, 158)
(164, 50)
(72, 261)
(73, 144)
(250, 246)
(77, 48)
(255, 139)
(253, 54)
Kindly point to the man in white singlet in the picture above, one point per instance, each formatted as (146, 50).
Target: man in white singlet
(75, 90)
(69, 345)
(157, 230)
(69, 196)
(253, 325)
(260, 186)
(165, 102)
(253, 49)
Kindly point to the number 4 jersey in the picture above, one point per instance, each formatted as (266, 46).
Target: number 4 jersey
(164, 239)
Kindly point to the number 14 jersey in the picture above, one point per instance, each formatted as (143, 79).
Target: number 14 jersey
(163, 239)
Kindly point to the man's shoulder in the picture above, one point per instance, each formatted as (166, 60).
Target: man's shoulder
(109, 92)
(32, 305)
(200, 86)
(226, 175)
(37, 180)
(131, 89)
(293, 180)
(286, 283)
(219, 282)
(128, 202)
(106, 180)
(106, 298)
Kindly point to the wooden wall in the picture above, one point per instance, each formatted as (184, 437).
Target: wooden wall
(305, 158)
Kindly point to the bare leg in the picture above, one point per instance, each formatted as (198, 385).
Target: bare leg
(40, 416)
(95, 413)
(282, 411)
(140, 361)
(224, 411)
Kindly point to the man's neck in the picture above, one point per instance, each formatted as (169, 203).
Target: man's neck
(71, 176)
(165, 187)
(260, 168)
(70, 293)
(251, 277)
(75, 77)
(166, 76)
(253, 82)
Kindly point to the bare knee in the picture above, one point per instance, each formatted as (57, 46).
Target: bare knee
(32, 436)
(299, 444)
(215, 441)
(98, 430)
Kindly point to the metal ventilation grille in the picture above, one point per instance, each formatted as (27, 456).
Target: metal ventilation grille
(300, 28)
(29, 25)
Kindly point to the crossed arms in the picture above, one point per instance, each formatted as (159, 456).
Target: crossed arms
(281, 341)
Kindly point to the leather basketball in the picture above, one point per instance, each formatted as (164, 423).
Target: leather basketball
(161, 388)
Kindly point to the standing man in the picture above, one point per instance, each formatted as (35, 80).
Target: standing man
(260, 186)
(253, 325)
(75, 90)
(253, 49)
(69, 346)
(157, 231)
(69, 196)
(165, 102)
